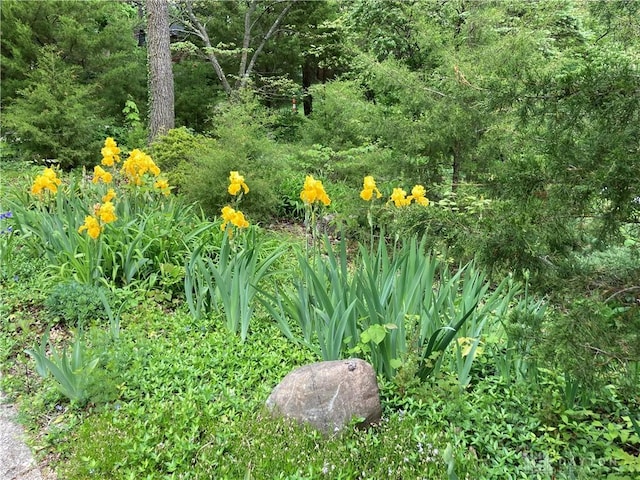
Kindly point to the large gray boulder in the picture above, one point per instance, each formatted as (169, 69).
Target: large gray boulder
(328, 395)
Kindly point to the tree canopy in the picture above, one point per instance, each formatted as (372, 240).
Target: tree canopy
(531, 102)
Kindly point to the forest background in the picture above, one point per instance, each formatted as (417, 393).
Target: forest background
(520, 118)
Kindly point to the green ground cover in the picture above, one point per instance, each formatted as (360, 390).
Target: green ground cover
(149, 350)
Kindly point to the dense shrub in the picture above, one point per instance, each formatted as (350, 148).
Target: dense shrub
(610, 270)
(451, 222)
(595, 342)
(196, 88)
(340, 117)
(180, 145)
(55, 118)
(200, 166)
(74, 303)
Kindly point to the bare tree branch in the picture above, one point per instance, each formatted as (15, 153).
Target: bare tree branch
(247, 37)
(244, 76)
(247, 62)
(201, 31)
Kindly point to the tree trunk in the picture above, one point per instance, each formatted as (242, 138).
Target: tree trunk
(457, 160)
(161, 111)
(309, 77)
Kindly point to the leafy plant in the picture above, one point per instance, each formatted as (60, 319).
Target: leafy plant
(595, 343)
(7, 246)
(147, 229)
(55, 117)
(522, 326)
(72, 372)
(229, 283)
(336, 301)
(136, 134)
(322, 303)
(239, 143)
(74, 303)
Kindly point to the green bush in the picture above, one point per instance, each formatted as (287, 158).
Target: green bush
(287, 125)
(349, 165)
(196, 87)
(199, 166)
(56, 118)
(75, 304)
(595, 342)
(290, 184)
(180, 145)
(452, 222)
(613, 269)
(379, 307)
(531, 237)
(341, 116)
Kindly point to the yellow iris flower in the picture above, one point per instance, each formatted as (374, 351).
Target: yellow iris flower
(110, 152)
(99, 174)
(236, 182)
(314, 191)
(368, 189)
(137, 165)
(163, 185)
(234, 216)
(107, 212)
(110, 195)
(47, 181)
(399, 197)
(418, 194)
(92, 226)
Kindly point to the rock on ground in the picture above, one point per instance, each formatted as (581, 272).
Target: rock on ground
(329, 395)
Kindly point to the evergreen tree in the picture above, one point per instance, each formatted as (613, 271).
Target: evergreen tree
(55, 118)
(95, 36)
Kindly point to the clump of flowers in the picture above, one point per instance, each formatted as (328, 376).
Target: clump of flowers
(235, 217)
(399, 197)
(230, 214)
(418, 194)
(48, 180)
(137, 165)
(103, 213)
(101, 175)
(313, 191)
(162, 185)
(135, 168)
(110, 152)
(369, 188)
(92, 226)
(236, 182)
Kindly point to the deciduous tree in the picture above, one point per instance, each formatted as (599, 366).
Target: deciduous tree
(261, 21)
(161, 113)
